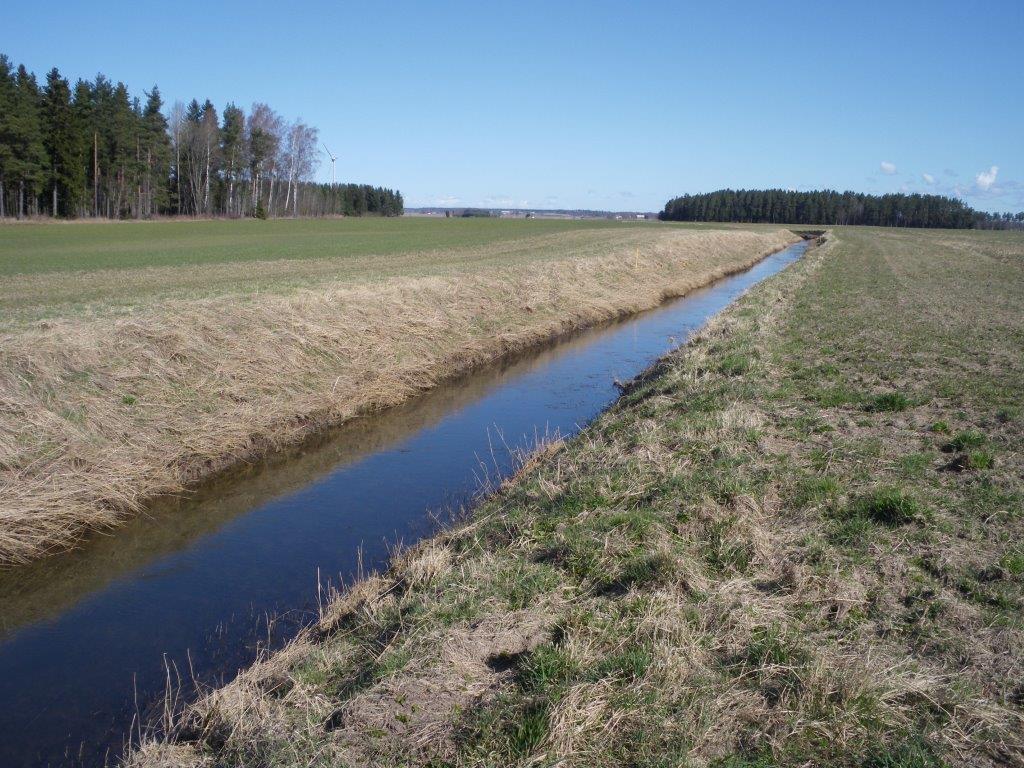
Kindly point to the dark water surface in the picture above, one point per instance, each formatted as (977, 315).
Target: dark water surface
(87, 637)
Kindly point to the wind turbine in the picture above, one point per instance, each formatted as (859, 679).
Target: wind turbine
(333, 158)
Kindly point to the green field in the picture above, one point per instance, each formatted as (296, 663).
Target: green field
(797, 542)
(49, 247)
(52, 270)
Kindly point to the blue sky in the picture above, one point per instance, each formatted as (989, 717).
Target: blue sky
(588, 104)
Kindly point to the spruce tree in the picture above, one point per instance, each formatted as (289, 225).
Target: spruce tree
(232, 152)
(65, 144)
(156, 156)
(23, 133)
(7, 101)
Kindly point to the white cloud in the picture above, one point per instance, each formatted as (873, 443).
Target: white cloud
(446, 200)
(887, 168)
(986, 179)
(928, 178)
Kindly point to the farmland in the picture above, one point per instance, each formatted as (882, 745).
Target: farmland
(140, 358)
(795, 541)
(120, 264)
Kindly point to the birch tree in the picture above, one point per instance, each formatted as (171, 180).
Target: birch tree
(300, 157)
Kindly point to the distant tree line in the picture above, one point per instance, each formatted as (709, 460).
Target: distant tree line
(828, 207)
(94, 150)
(999, 220)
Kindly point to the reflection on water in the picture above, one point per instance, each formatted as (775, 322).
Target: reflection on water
(48, 587)
(87, 634)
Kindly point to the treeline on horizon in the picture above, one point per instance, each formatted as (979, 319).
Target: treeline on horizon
(828, 207)
(93, 150)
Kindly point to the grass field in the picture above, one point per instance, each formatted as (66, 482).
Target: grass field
(122, 378)
(49, 247)
(798, 541)
(50, 269)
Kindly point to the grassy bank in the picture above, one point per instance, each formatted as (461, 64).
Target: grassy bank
(796, 542)
(118, 385)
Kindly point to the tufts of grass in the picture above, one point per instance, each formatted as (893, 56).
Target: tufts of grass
(545, 669)
(725, 551)
(907, 754)
(772, 646)
(888, 401)
(913, 465)
(529, 729)
(734, 364)
(980, 459)
(836, 396)
(642, 571)
(744, 761)
(506, 732)
(887, 505)
(814, 489)
(1008, 415)
(965, 441)
(628, 665)
(1013, 562)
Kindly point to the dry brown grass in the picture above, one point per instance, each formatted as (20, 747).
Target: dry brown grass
(101, 410)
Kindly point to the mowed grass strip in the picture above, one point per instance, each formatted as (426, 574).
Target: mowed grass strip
(746, 562)
(103, 406)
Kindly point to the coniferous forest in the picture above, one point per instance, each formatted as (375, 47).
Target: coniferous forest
(828, 207)
(93, 150)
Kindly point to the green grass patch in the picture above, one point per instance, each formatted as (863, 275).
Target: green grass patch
(734, 364)
(888, 505)
(642, 572)
(906, 754)
(964, 441)
(980, 459)
(836, 396)
(1013, 562)
(814, 489)
(888, 401)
